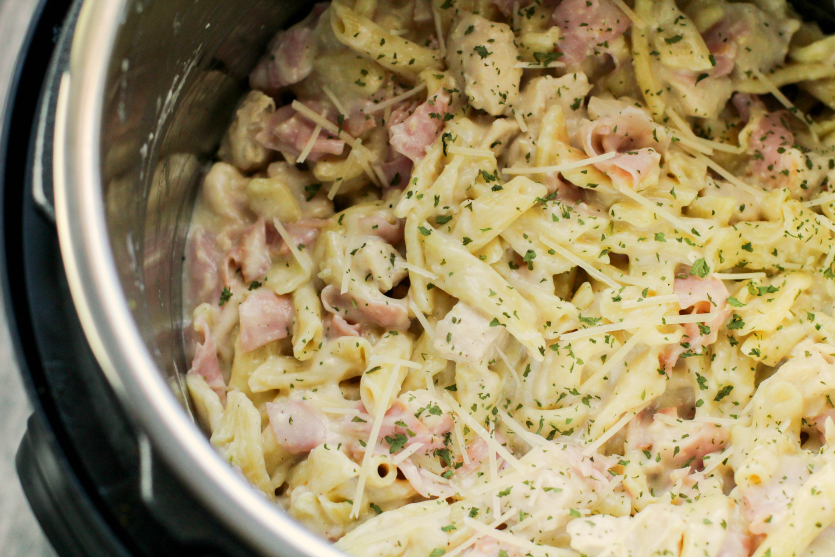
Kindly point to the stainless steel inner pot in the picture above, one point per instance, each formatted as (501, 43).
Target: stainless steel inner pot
(149, 90)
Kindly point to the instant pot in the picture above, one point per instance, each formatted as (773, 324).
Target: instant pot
(115, 110)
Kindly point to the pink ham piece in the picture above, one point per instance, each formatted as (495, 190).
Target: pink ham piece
(429, 430)
(697, 295)
(587, 26)
(721, 40)
(303, 232)
(336, 327)
(205, 361)
(633, 135)
(288, 131)
(418, 131)
(202, 267)
(265, 316)
(703, 295)
(745, 104)
(373, 308)
(769, 144)
(377, 224)
(397, 171)
(685, 443)
(254, 254)
(289, 57)
(298, 428)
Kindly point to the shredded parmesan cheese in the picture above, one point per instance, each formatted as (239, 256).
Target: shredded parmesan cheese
(372, 442)
(339, 106)
(335, 187)
(637, 21)
(333, 129)
(825, 222)
(480, 431)
(580, 263)
(600, 329)
(312, 141)
(822, 200)
(406, 453)
(592, 448)
(422, 319)
(783, 99)
(439, 30)
(512, 369)
(716, 460)
(494, 473)
(419, 271)
(758, 194)
(658, 210)
(624, 350)
(559, 167)
(470, 541)
(523, 544)
(520, 120)
(459, 438)
(302, 258)
(650, 301)
(684, 127)
(738, 276)
(515, 427)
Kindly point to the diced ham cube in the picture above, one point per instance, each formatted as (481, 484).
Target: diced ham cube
(265, 316)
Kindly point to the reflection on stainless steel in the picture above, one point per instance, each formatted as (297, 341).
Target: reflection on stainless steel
(149, 92)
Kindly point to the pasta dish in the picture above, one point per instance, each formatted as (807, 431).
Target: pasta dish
(528, 277)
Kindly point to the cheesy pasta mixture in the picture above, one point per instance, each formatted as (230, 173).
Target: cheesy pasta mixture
(534, 277)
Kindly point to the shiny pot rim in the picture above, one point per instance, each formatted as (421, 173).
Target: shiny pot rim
(105, 315)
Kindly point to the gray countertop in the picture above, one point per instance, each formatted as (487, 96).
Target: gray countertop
(20, 534)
